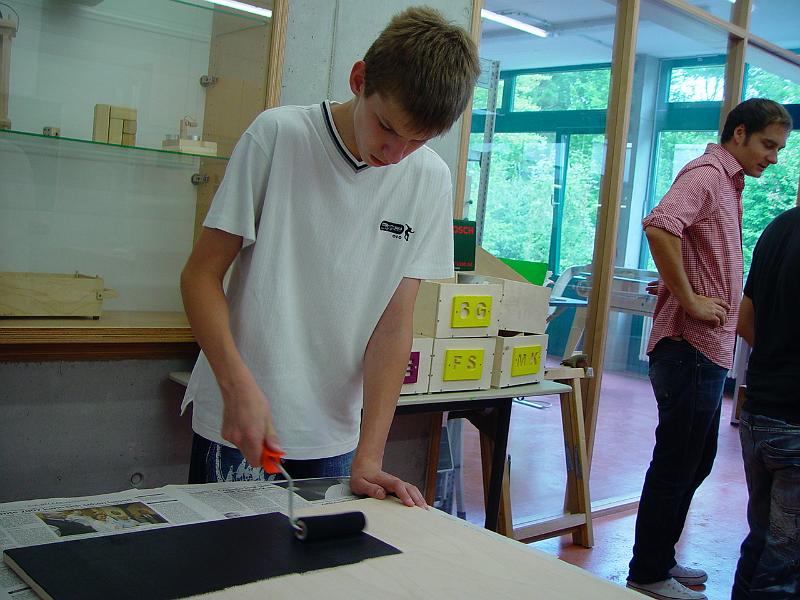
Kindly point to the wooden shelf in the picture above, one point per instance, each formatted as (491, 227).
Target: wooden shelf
(112, 327)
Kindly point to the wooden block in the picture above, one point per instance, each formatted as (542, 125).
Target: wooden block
(50, 295)
(102, 114)
(128, 139)
(129, 126)
(115, 131)
(523, 306)
(461, 364)
(519, 359)
(444, 310)
(418, 371)
(123, 112)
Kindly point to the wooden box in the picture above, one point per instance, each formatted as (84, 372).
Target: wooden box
(418, 371)
(462, 364)
(445, 310)
(523, 306)
(51, 295)
(519, 359)
(190, 146)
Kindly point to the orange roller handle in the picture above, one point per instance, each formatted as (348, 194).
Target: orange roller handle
(270, 460)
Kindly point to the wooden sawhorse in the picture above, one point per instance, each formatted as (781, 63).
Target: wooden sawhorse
(577, 515)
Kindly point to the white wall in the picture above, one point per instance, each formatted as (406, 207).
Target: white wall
(317, 63)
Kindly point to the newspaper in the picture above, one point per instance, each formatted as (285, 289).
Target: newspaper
(57, 519)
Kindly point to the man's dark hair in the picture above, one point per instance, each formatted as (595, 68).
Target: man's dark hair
(756, 114)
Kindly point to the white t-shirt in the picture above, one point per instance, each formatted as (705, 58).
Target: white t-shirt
(326, 241)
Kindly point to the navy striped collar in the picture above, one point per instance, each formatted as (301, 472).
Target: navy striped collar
(351, 160)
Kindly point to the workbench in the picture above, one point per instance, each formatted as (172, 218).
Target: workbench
(490, 412)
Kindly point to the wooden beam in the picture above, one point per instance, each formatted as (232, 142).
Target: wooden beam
(466, 124)
(624, 57)
(277, 42)
(735, 63)
(707, 18)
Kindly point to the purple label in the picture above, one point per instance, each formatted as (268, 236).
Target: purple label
(412, 370)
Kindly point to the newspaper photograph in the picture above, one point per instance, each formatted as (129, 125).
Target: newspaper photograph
(26, 523)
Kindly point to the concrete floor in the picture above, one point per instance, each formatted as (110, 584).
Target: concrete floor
(626, 422)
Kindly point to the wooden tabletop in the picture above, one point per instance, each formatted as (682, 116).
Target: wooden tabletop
(442, 557)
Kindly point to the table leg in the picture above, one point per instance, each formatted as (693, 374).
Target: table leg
(494, 442)
(432, 468)
(577, 498)
(576, 331)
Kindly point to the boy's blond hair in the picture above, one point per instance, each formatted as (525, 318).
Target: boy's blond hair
(427, 65)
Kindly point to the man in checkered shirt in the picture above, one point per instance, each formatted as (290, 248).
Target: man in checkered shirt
(695, 237)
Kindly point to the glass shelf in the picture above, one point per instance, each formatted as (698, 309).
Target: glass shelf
(67, 144)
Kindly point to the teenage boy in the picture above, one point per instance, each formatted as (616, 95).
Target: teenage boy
(695, 238)
(335, 213)
(769, 426)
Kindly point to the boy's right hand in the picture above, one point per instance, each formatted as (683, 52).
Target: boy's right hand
(247, 420)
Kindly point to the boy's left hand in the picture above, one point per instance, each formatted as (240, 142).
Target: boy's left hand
(376, 483)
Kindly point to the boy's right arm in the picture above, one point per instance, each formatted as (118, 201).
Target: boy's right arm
(246, 421)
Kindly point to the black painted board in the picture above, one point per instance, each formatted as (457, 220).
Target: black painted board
(172, 562)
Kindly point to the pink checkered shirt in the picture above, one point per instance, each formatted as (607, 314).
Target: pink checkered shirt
(703, 208)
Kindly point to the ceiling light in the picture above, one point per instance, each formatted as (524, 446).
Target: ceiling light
(508, 21)
(244, 7)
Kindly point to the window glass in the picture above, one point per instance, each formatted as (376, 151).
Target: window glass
(777, 21)
(722, 9)
(769, 195)
(677, 89)
(761, 83)
(584, 170)
(567, 90)
(480, 96)
(519, 210)
(769, 76)
(697, 83)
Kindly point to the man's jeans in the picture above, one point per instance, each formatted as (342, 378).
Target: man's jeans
(688, 390)
(769, 565)
(212, 462)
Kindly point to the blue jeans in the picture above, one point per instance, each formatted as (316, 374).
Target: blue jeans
(212, 462)
(769, 565)
(688, 391)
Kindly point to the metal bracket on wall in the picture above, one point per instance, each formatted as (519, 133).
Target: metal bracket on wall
(198, 179)
(208, 80)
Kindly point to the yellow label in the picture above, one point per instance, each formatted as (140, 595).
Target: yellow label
(525, 360)
(463, 364)
(471, 311)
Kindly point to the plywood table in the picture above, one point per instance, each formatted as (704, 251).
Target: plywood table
(442, 557)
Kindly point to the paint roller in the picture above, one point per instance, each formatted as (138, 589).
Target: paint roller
(312, 529)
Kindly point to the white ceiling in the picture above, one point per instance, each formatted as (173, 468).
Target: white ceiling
(582, 31)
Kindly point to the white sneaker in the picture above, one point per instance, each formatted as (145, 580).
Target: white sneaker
(669, 589)
(688, 575)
